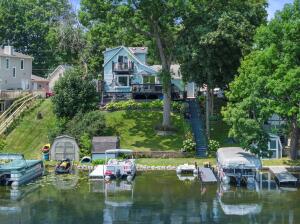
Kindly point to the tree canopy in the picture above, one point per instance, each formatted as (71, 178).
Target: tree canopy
(38, 28)
(74, 94)
(216, 35)
(268, 83)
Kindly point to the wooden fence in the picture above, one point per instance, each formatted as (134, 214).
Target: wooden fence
(15, 110)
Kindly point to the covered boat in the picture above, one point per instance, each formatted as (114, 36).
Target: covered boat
(234, 163)
(15, 170)
(120, 168)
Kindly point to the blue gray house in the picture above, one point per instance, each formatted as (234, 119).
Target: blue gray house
(127, 74)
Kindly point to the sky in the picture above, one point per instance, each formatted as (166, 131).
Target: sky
(274, 5)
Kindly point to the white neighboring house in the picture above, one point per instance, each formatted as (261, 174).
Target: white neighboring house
(56, 74)
(15, 69)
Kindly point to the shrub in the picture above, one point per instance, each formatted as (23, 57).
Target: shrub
(213, 146)
(188, 145)
(74, 94)
(133, 105)
(92, 123)
(98, 162)
(85, 145)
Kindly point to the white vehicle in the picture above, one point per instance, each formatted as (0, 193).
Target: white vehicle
(119, 168)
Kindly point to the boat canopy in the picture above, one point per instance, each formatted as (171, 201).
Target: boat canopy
(237, 158)
(117, 151)
(11, 156)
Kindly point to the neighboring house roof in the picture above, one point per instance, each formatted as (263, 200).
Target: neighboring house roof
(14, 55)
(64, 67)
(138, 50)
(175, 69)
(36, 78)
(132, 55)
(102, 143)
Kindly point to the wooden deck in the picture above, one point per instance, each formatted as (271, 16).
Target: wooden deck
(283, 175)
(207, 175)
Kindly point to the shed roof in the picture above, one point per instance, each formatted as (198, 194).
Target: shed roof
(103, 143)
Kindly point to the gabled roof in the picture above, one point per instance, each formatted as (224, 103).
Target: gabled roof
(138, 50)
(65, 67)
(175, 69)
(14, 55)
(132, 55)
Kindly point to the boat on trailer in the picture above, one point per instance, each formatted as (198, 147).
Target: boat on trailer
(119, 168)
(15, 170)
(236, 164)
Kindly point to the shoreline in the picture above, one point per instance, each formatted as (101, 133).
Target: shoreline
(141, 167)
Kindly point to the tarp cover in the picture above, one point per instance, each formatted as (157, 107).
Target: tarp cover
(237, 158)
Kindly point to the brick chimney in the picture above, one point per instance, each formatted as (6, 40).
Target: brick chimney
(9, 50)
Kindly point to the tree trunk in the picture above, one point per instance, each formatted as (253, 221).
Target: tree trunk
(295, 139)
(166, 80)
(212, 102)
(207, 111)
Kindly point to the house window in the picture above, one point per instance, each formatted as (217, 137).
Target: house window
(7, 63)
(149, 79)
(22, 64)
(123, 80)
(14, 72)
(120, 59)
(273, 144)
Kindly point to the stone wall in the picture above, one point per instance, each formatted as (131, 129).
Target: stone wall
(160, 154)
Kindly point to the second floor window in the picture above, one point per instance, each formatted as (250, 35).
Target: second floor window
(7, 63)
(14, 72)
(22, 64)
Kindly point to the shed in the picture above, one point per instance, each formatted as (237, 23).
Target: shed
(64, 147)
(102, 143)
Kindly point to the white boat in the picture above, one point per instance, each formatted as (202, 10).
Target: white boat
(186, 168)
(15, 170)
(119, 168)
(238, 164)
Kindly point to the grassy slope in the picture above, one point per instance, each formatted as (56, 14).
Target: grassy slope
(31, 134)
(136, 129)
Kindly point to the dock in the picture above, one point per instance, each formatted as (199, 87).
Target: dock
(97, 173)
(283, 176)
(206, 175)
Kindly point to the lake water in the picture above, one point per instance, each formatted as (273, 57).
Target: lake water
(153, 197)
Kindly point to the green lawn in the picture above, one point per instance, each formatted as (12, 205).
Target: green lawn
(219, 131)
(136, 130)
(31, 133)
(179, 161)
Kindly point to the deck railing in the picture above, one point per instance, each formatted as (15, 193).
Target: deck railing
(122, 67)
(146, 88)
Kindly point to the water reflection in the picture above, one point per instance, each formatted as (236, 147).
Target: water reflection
(239, 201)
(153, 197)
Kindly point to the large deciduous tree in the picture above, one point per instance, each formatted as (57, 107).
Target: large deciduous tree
(268, 83)
(34, 27)
(134, 20)
(216, 35)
